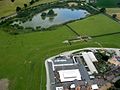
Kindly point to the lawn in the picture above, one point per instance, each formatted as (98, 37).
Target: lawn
(22, 56)
(95, 25)
(7, 7)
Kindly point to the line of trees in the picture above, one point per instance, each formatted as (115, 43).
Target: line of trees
(33, 1)
(19, 8)
(25, 5)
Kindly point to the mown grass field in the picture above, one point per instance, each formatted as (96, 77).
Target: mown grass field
(7, 7)
(95, 25)
(22, 56)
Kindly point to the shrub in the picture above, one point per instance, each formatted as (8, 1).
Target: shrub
(31, 2)
(25, 5)
(18, 9)
(103, 10)
(117, 84)
(43, 14)
(51, 12)
(12, 0)
(114, 15)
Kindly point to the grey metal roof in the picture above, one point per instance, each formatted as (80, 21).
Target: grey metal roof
(62, 60)
(83, 71)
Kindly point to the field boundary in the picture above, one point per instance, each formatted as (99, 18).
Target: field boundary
(115, 19)
(72, 30)
(107, 34)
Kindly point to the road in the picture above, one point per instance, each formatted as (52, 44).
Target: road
(47, 72)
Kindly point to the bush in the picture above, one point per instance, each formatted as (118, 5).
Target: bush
(12, 0)
(114, 15)
(51, 12)
(25, 5)
(31, 2)
(43, 14)
(18, 9)
(36, 0)
(117, 84)
(103, 10)
(118, 4)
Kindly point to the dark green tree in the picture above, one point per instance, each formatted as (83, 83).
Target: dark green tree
(103, 10)
(25, 5)
(51, 12)
(117, 84)
(114, 15)
(18, 9)
(12, 0)
(31, 2)
(43, 14)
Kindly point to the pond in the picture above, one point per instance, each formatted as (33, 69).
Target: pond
(63, 15)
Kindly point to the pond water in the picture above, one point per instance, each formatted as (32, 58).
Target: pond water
(62, 15)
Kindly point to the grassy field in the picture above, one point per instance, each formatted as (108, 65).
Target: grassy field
(22, 56)
(95, 25)
(112, 11)
(7, 7)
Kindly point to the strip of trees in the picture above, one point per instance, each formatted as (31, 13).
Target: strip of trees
(25, 5)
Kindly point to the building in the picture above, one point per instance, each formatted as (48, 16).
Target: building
(69, 75)
(89, 58)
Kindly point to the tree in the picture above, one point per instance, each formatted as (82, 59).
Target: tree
(18, 9)
(36, 0)
(12, 0)
(51, 12)
(43, 14)
(117, 84)
(25, 5)
(118, 4)
(103, 10)
(114, 15)
(31, 2)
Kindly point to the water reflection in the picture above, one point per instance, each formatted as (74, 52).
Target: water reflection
(61, 15)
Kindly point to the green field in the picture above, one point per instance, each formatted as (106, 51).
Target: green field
(22, 56)
(95, 25)
(7, 7)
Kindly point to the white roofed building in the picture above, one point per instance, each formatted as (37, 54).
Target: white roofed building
(69, 75)
(94, 87)
(92, 57)
(59, 88)
(89, 62)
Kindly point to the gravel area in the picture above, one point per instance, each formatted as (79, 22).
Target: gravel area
(4, 83)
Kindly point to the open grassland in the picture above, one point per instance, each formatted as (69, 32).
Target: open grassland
(22, 56)
(95, 25)
(7, 7)
(112, 11)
